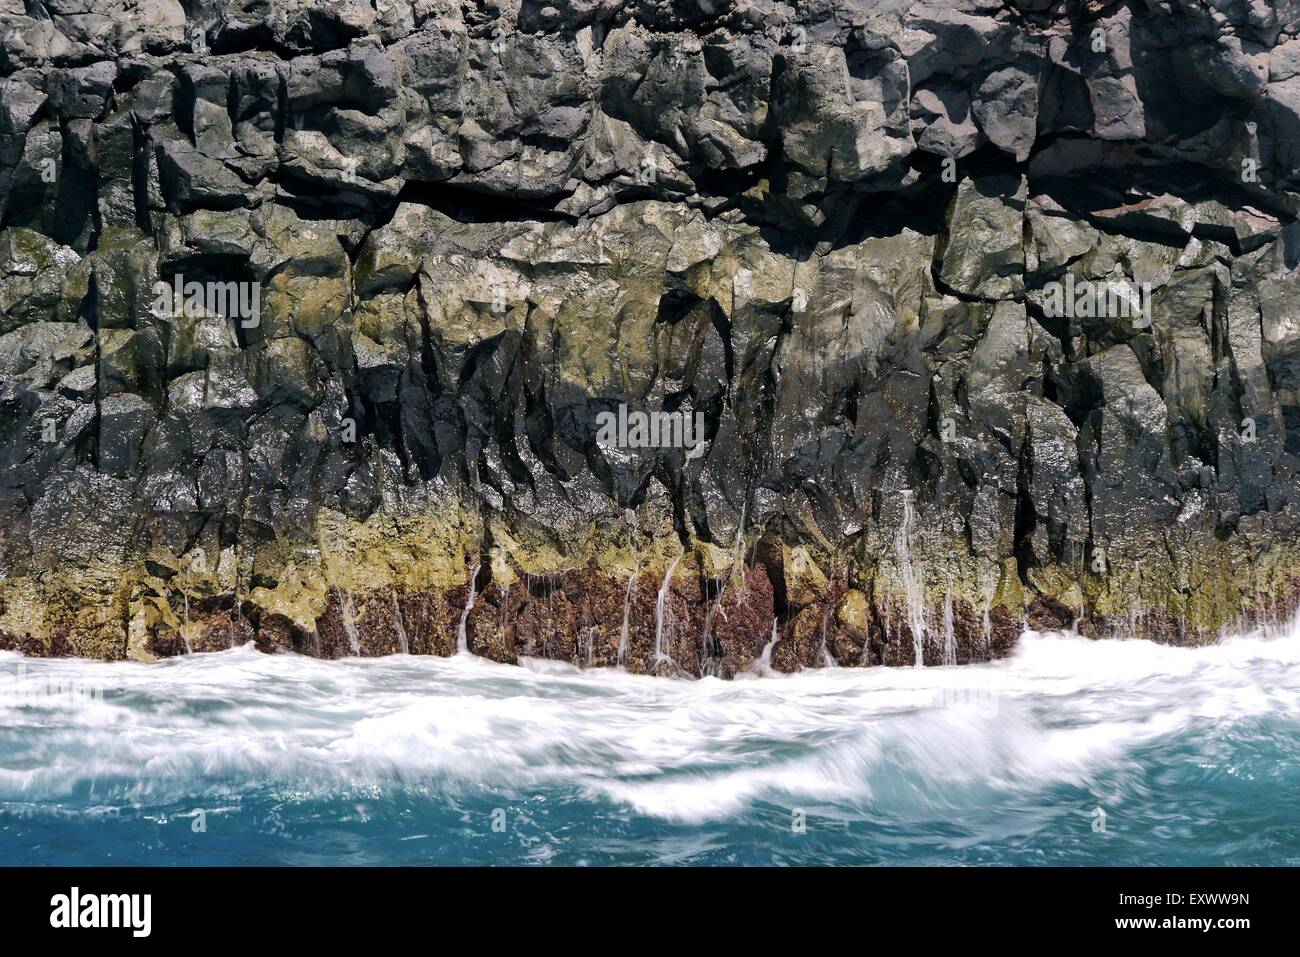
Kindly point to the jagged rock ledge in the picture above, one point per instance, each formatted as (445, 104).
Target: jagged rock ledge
(835, 231)
(642, 602)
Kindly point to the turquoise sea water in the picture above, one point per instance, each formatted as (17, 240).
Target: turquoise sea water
(1069, 752)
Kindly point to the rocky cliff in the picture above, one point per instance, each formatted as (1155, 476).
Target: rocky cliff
(310, 313)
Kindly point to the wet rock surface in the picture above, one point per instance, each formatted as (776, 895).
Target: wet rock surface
(434, 242)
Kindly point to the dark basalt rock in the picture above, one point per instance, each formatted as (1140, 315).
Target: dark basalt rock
(834, 231)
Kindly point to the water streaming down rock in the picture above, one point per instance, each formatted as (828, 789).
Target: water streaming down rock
(505, 604)
(828, 660)
(737, 569)
(710, 649)
(402, 641)
(949, 637)
(912, 580)
(185, 598)
(661, 613)
(620, 659)
(706, 634)
(462, 638)
(738, 549)
(350, 624)
(762, 665)
(627, 612)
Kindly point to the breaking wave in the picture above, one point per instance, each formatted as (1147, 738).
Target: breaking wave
(1071, 751)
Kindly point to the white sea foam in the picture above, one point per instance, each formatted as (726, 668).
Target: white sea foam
(1061, 709)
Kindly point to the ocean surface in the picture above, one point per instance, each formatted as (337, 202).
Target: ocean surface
(1069, 752)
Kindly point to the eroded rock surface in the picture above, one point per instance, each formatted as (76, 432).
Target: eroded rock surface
(837, 231)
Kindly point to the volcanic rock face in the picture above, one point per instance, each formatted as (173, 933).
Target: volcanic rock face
(311, 312)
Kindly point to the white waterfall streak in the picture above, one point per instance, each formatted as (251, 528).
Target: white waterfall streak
(402, 640)
(661, 611)
(462, 637)
(350, 624)
(949, 635)
(912, 581)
